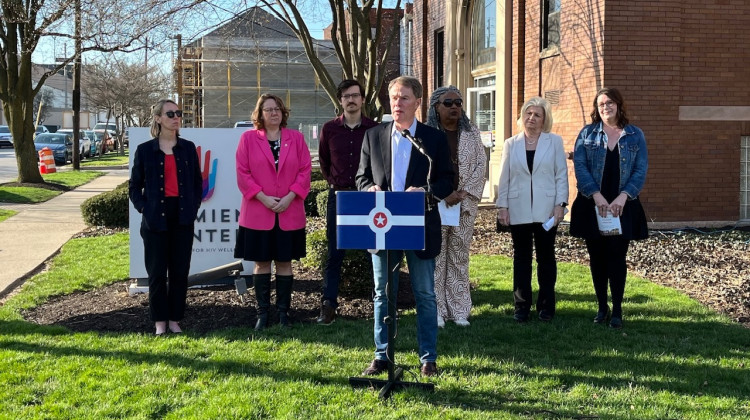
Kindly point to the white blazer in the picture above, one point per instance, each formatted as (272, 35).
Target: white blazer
(531, 196)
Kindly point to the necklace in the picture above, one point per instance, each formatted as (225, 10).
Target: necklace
(531, 142)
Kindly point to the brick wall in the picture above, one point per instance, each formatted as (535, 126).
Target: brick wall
(424, 37)
(661, 55)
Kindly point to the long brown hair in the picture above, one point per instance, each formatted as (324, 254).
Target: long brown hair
(616, 97)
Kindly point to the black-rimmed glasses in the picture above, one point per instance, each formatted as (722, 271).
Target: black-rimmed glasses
(172, 114)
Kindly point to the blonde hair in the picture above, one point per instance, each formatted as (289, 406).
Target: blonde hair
(541, 103)
(156, 111)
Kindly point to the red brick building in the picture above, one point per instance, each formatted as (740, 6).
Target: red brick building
(683, 68)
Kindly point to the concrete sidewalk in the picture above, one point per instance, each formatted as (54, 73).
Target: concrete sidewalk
(39, 230)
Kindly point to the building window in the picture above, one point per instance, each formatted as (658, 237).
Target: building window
(483, 28)
(745, 178)
(550, 24)
(439, 61)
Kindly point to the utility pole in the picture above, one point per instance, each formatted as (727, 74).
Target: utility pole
(77, 89)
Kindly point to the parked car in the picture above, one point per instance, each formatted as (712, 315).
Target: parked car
(107, 126)
(243, 124)
(61, 145)
(108, 137)
(41, 129)
(84, 143)
(95, 142)
(6, 139)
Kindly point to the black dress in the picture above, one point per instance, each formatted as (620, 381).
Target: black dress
(583, 211)
(274, 244)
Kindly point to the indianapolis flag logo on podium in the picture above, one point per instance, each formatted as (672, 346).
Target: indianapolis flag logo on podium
(380, 220)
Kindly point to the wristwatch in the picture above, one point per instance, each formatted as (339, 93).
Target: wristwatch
(563, 204)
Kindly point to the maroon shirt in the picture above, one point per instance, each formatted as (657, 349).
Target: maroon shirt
(339, 150)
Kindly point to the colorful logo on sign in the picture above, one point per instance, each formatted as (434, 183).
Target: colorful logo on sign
(208, 173)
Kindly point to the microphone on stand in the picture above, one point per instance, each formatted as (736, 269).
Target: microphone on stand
(415, 141)
(429, 198)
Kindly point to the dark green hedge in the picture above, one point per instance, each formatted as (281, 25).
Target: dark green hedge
(322, 204)
(356, 271)
(108, 209)
(311, 201)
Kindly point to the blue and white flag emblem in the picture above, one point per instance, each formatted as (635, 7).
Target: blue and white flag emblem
(380, 220)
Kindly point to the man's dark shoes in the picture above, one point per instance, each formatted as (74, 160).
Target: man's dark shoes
(521, 317)
(376, 367)
(601, 316)
(429, 369)
(327, 313)
(545, 315)
(615, 322)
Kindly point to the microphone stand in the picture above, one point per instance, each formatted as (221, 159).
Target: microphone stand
(420, 147)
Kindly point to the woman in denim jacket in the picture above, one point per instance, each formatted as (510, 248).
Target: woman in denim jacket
(610, 160)
(166, 188)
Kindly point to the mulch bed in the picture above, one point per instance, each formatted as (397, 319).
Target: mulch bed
(710, 267)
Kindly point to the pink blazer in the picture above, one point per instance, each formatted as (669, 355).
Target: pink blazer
(256, 172)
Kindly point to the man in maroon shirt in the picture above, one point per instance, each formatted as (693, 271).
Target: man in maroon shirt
(339, 151)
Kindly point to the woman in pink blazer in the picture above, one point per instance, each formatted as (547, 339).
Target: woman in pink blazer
(273, 175)
(533, 188)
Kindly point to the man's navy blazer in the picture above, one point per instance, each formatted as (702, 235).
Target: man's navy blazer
(375, 169)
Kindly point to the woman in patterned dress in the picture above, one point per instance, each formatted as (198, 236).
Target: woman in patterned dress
(452, 288)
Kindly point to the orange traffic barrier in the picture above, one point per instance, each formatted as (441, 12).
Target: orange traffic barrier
(46, 161)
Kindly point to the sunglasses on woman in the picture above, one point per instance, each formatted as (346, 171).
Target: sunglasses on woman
(172, 114)
(448, 103)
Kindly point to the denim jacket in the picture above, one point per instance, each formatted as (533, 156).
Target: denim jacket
(146, 187)
(591, 152)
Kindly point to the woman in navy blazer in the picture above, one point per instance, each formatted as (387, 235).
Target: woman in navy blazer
(273, 175)
(533, 189)
(166, 188)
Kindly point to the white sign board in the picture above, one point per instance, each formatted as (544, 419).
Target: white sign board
(218, 218)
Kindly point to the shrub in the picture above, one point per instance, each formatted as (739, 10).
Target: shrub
(322, 202)
(316, 175)
(108, 209)
(356, 270)
(311, 203)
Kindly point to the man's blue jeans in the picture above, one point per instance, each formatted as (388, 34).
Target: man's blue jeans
(422, 276)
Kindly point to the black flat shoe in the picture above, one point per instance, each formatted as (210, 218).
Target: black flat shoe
(601, 316)
(615, 323)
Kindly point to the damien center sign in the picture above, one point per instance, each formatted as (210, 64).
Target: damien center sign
(217, 222)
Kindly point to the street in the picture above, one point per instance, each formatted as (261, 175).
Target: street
(8, 168)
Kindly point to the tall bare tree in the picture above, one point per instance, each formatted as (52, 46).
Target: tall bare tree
(127, 89)
(361, 47)
(110, 26)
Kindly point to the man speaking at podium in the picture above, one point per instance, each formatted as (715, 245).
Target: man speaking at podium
(390, 162)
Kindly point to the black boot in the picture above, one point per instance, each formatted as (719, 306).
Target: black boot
(284, 298)
(262, 285)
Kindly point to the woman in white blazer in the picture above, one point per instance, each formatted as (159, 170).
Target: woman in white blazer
(533, 189)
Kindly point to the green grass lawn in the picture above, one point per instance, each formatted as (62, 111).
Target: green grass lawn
(4, 214)
(28, 195)
(109, 159)
(675, 359)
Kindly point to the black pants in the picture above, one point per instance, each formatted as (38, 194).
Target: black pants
(332, 272)
(526, 237)
(607, 262)
(167, 259)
